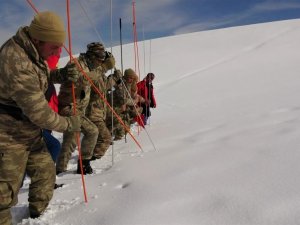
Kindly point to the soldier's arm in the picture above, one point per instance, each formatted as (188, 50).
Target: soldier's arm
(29, 96)
(93, 75)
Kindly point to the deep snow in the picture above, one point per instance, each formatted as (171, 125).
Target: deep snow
(225, 135)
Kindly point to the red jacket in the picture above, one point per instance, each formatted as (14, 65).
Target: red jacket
(51, 94)
(144, 92)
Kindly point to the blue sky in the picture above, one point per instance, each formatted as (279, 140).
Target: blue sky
(91, 19)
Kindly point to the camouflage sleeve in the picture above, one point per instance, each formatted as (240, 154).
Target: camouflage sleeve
(93, 75)
(28, 95)
(110, 83)
(129, 102)
(117, 75)
(119, 95)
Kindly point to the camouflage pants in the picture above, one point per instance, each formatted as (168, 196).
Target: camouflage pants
(119, 131)
(39, 166)
(115, 126)
(90, 135)
(103, 141)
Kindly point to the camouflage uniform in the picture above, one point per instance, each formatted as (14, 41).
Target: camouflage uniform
(82, 92)
(118, 98)
(132, 110)
(96, 112)
(24, 111)
(130, 100)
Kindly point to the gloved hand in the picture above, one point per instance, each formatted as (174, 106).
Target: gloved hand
(70, 72)
(118, 82)
(74, 123)
(117, 76)
(109, 62)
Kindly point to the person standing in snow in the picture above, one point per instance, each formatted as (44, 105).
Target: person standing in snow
(145, 89)
(24, 112)
(96, 110)
(116, 98)
(90, 62)
(124, 98)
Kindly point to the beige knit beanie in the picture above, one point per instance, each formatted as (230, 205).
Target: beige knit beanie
(47, 26)
(129, 73)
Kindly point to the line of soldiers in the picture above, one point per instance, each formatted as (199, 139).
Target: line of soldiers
(95, 117)
(24, 111)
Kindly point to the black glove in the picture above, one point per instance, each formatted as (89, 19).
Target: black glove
(70, 72)
(118, 82)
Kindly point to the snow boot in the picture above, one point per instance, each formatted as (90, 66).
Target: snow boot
(58, 186)
(87, 169)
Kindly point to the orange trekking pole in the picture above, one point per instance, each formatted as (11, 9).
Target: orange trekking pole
(74, 103)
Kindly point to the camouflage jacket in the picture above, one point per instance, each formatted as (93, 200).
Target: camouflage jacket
(96, 109)
(82, 88)
(118, 96)
(24, 78)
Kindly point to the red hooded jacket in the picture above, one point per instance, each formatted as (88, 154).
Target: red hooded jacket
(144, 92)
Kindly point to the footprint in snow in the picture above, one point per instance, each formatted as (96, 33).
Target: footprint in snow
(102, 185)
(122, 186)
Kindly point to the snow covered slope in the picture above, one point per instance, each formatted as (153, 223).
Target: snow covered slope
(224, 144)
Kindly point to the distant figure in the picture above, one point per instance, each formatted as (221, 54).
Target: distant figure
(145, 89)
(115, 97)
(124, 99)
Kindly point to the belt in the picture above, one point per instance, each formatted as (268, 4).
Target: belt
(13, 111)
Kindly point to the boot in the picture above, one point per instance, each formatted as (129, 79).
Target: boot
(34, 215)
(58, 186)
(86, 167)
(118, 137)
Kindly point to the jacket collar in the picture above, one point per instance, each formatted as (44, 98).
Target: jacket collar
(22, 38)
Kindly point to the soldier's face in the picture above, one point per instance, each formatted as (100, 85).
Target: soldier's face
(47, 49)
(129, 80)
(97, 62)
